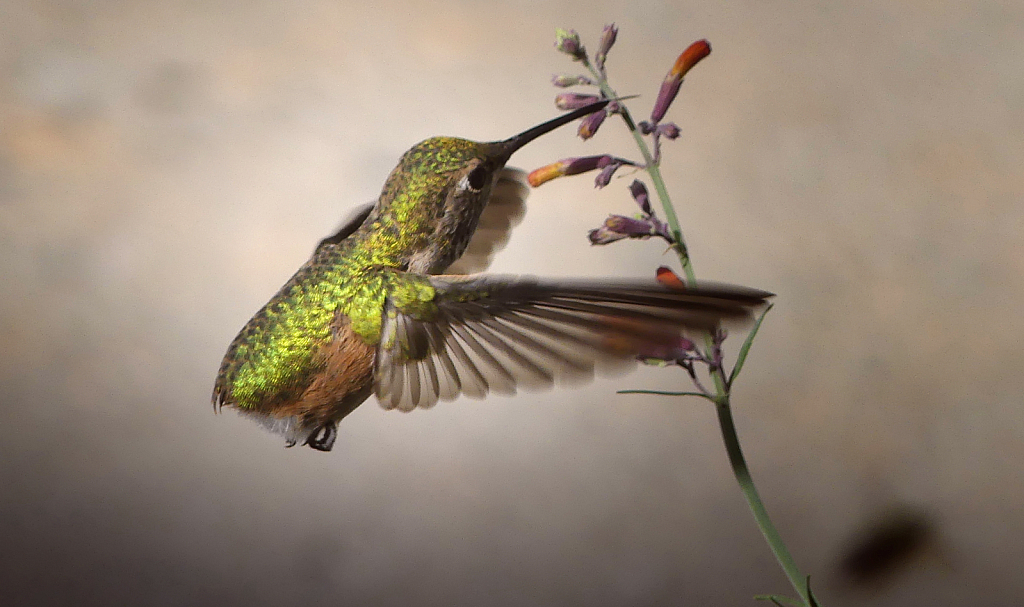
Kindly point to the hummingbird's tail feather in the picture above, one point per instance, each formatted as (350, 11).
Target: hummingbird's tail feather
(500, 334)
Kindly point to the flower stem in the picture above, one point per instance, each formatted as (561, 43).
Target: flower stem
(764, 522)
(722, 386)
(655, 172)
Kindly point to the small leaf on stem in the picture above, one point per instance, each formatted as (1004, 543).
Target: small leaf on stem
(745, 348)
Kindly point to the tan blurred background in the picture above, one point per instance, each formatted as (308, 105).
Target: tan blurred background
(165, 166)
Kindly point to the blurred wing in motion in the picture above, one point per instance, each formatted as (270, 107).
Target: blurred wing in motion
(497, 334)
(350, 225)
(504, 211)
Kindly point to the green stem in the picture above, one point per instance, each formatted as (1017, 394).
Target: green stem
(722, 387)
(746, 482)
(659, 184)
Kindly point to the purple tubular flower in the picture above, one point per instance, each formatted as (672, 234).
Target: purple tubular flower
(565, 80)
(605, 176)
(629, 226)
(669, 130)
(607, 40)
(608, 166)
(582, 164)
(617, 227)
(574, 101)
(603, 235)
(569, 166)
(639, 192)
(667, 94)
(590, 124)
(568, 42)
(670, 86)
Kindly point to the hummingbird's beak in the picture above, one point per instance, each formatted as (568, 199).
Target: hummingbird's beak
(510, 145)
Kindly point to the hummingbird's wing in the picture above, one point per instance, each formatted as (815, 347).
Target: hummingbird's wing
(350, 225)
(495, 334)
(504, 211)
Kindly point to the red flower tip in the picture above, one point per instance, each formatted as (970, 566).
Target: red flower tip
(690, 57)
(670, 86)
(670, 279)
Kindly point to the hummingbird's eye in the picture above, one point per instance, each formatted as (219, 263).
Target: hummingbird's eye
(477, 178)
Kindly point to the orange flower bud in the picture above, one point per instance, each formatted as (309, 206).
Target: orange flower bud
(546, 173)
(690, 57)
(670, 279)
(670, 86)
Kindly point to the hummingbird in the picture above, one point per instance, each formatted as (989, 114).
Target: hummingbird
(380, 310)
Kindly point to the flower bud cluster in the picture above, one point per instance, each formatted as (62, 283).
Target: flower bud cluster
(679, 351)
(667, 94)
(568, 42)
(641, 226)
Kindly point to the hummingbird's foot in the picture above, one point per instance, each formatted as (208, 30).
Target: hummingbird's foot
(322, 439)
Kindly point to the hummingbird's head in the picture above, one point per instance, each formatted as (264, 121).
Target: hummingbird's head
(440, 187)
(435, 195)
